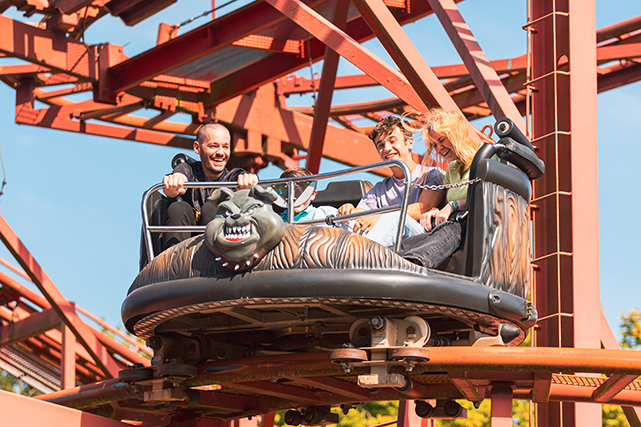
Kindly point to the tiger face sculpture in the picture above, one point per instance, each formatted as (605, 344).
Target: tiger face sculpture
(245, 227)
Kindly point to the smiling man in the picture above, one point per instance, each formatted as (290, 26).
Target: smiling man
(213, 146)
(394, 142)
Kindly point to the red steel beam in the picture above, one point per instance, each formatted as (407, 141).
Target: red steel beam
(318, 26)
(278, 390)
(405, 55)
(35, 324)
(272, 44)
(276, 66)
(298, 85)
(225, 401)
(58, 117)
(325, 92)
(42, 95)
(336, 386)
(190, 46)
(618, 52)
(611, 387)
(59, 303)
(483, 366)
(583, 395)
(618, 75)
(68, 7)
(292, 85)
(465, 386)
(608, 341)
(24, 292)
(20, 410)
(480, 69)
(42, 303)
(47, 48)
(619, 28)
(537, 359)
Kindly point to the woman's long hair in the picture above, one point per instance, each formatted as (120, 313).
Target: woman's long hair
(454, 126)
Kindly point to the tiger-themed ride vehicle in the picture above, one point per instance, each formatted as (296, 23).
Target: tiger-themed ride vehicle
(266, 315)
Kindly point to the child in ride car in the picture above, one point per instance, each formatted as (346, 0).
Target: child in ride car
(304, 194)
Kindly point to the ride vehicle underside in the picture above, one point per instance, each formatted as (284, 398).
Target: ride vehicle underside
(208, 308)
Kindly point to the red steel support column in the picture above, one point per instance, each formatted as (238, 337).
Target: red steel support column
(68, 359)
(324, 104)
(407, 415)
(268, 420)
(585, 184)
(565, 199)
(501, 415)
(481, 71)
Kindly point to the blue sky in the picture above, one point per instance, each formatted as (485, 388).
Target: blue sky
(74, 199)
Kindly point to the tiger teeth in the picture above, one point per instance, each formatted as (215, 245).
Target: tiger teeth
(237, 232)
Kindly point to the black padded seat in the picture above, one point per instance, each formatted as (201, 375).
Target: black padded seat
(338, 193)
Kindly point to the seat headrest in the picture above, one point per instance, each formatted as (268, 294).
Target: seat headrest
(520, 156)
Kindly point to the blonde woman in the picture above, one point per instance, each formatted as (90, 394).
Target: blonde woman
(448, 141)
(446, 135)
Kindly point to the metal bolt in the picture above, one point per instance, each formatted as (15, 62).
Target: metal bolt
(378, 323)
(221, 352)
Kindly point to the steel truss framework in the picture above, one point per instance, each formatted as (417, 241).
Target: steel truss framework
(210, 74)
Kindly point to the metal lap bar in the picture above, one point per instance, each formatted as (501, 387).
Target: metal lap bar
(290, 201)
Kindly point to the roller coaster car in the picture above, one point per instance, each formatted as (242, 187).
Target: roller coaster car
(252, 285)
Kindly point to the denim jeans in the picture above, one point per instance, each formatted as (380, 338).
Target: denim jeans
(385, 230)
(431, 249)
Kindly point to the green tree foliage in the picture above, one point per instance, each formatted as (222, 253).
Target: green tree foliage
(363, 415)
(369, 414)
(10, 383)
(631, 330)
(613, 416)
(481, 417)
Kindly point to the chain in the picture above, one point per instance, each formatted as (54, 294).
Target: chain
(446, 186)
